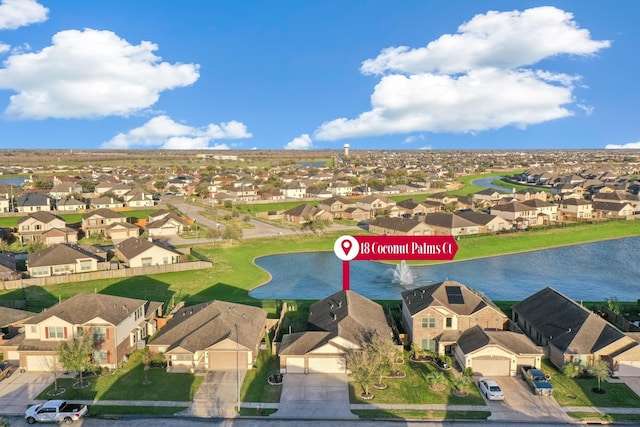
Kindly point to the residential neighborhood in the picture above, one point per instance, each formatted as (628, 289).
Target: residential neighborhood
(106, 224)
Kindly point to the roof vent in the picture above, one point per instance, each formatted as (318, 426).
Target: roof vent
(340, 303)
(333, 316)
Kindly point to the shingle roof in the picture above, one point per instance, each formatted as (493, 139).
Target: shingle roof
(42, 216)
(416, 300)
(62, 253)
(203, 325)
(568, 325)
(134, 246)
(82, 308)
(10, 316)
(476, 338)
(447, 220)
(399, 224)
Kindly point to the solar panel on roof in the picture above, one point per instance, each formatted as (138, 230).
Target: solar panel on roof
(454, 294)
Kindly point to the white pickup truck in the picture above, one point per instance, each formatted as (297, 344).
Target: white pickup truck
(55, 411)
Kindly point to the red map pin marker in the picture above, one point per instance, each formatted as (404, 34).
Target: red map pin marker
(346, 247)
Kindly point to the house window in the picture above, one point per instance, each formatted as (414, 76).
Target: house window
(182, 357)
(448, 322)
(25, 228)
(55, 332)
(34, 329)
(99, 333)
(99, 356)
(429, 344)
(428, 322)
(146, 262)
(61, 269)
(85, 265)
(165, 260)
(40, 271)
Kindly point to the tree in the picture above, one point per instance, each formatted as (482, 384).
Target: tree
(614, 305)
(462, 383)
(372, 360)
(232, 231)
(571, 370)
(362, 368)
(600, 370)
(74, 353)
(212, 234)
(383, 347)
(35, 246)
(435, 378)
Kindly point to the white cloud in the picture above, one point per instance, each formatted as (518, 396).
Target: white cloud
(4, 47)
(89, 73)
(162, 132)
(629, 145)
(18, 13)
(303, 142)
(475, 80)
(413, 138)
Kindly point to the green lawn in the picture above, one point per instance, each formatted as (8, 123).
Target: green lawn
(130, 383)
(413, 389)
(111, 410)
(255, 387)
(579, 391)
(390, 414)
(12, 221)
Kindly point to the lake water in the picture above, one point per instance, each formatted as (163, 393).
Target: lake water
(12, 181)
(588, 272)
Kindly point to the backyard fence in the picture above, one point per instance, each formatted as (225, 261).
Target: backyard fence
(106, 274)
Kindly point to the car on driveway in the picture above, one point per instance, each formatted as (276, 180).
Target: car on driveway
(6, 369)
(490, 389)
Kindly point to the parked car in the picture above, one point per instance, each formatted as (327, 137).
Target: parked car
(6, 369)
(55, 411)
(537, 380)
(490, 389)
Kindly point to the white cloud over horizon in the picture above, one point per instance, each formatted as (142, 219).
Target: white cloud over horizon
(475, 80)
(89, 74)
(629, 145)
(19, 13)
(303, 142)
(164, 133)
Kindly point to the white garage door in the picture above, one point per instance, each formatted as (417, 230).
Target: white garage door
(497, 366)
(326, 365)
(629, 368)
(295, 365)
(41, 363)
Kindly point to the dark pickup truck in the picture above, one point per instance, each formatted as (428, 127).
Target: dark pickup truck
(537, 380)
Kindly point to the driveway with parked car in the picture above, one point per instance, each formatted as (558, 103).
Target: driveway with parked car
(520, 403)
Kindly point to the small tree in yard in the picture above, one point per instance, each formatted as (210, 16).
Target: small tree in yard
(372, 360)
(362, 368)
(435, 379)
(74, 353)
(571, 370)
(232, 232)
(600, 370)
(385, 350)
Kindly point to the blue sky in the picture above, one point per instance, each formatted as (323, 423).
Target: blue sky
(377, 74)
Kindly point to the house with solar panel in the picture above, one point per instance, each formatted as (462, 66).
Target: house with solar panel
(453, 319)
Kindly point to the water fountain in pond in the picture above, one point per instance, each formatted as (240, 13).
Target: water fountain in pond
(403, 274)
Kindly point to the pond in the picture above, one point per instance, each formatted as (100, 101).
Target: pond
(587, 272)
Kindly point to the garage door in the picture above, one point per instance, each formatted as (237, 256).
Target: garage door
(496, 366)
(225, 360)
(41, 363)
(629, 368)
(295, 365)
(326, 365)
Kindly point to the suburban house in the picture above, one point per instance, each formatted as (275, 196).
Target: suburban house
(33, 202)
(66, 205)
(489, 197)
(547, 212)
(496, 352)
(450, 224)
(375, 204)
(32, 226)
(519, 214)
(138, 199)
(413, 207)
(5, 205)
(294, 190)
(356, 214)
(302, 214)
(63, 258)
(164, 223)
(575, 209)
(97, 222)
(400, 227)
(138, 252)
(118, 325)
(568, 332)
(435, 316)
(336, 205)
(487, 223)
(613, 210)
(8, 269)
(120, 231)
(335, 324)
(106, 203)
(215, 335)
(60, 191)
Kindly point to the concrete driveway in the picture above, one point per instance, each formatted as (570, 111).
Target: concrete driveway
(324, 396)
(218, 395)
(520, 403)
(20, 390)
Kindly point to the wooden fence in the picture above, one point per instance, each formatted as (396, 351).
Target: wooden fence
(105, 274)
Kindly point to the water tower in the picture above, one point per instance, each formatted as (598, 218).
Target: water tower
(346, 150)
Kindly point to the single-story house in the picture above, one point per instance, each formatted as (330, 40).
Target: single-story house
(138, 252)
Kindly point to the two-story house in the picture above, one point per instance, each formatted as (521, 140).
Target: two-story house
(520, 215)
(336, 205)
(294, 190)
(45, 227)
(575, 209)
(98, 221)
(375, 204)
(118, 325)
